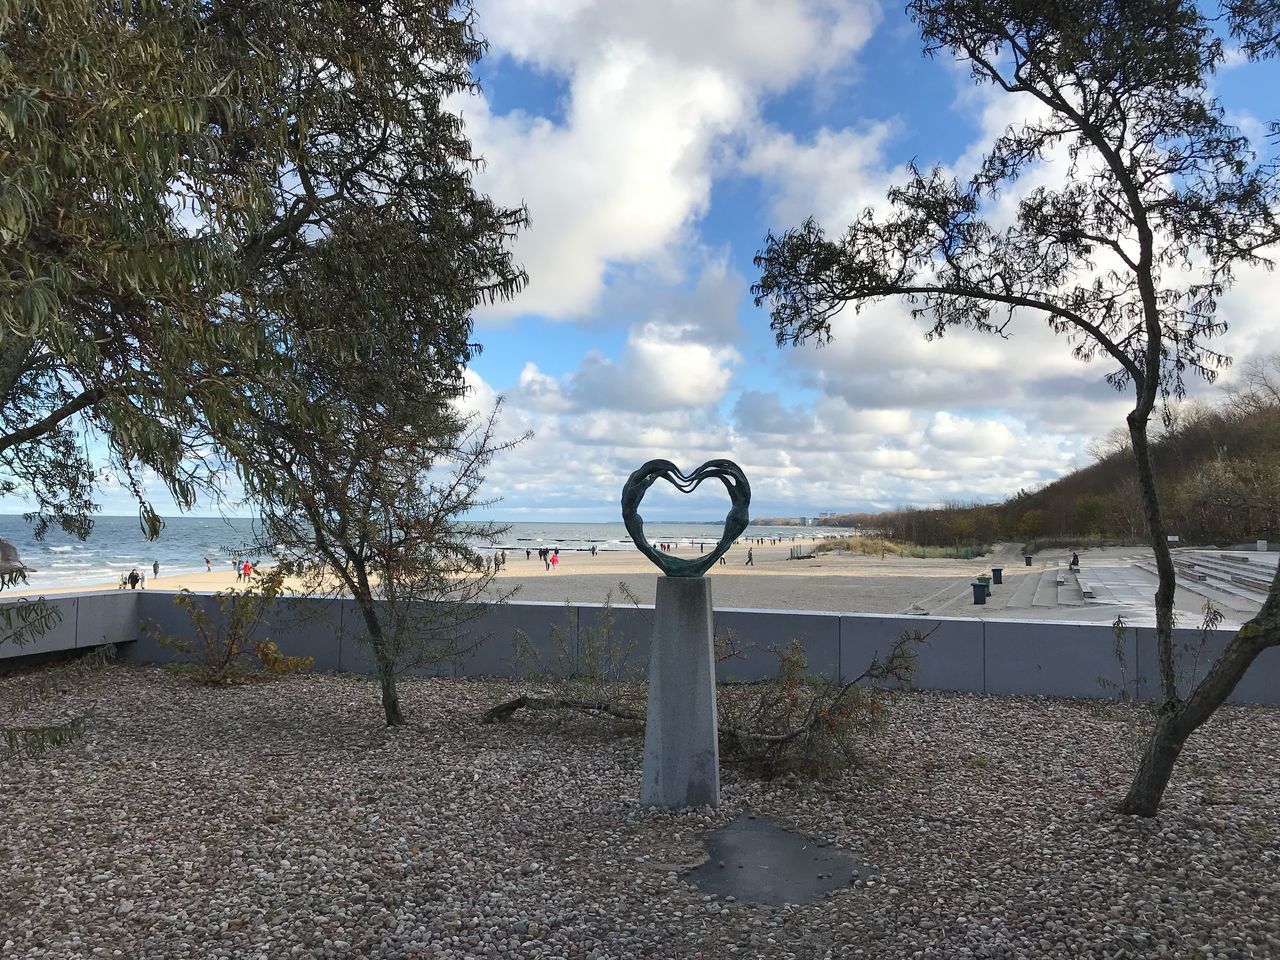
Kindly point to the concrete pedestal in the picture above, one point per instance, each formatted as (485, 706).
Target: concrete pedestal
(681, 753)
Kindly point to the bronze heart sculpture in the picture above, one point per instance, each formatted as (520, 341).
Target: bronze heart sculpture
(726, 471)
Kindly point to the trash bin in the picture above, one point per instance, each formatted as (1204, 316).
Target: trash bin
(997, 574)
(1027, 557)
(985, 581)
(979, 592)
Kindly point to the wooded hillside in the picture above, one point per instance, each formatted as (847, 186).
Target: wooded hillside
(1217, 469)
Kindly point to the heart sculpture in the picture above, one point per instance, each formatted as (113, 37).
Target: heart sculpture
(726, 471)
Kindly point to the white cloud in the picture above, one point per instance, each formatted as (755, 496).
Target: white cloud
(652, 89)
(661, 369)
(963, 435)
(832, 176)
(758, 42)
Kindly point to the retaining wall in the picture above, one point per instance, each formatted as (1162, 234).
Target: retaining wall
(1026, 657)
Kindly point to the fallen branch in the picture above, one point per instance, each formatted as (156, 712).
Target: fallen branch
(503, 711)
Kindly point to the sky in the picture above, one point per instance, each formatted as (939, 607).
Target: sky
(655, 143)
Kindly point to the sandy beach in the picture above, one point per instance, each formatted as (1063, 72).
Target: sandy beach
(837, 581)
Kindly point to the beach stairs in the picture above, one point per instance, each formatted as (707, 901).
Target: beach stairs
(1239, 580)
(1048, 590)
(1025, 591)
(1093, 588)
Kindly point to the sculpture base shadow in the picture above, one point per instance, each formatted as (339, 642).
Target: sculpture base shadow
(758, 860)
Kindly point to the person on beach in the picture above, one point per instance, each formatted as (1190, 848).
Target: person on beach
(235, 565)
(555, 560)
(143, 582)
(208, 565)
(1075, 561)
(546, 561)
(751, 559)
(527, 553)
(155, 568)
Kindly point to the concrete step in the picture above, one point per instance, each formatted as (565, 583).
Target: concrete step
(1214, 588)
(1069, 594)
(1253, 583)
(1189, 570)
(1046, 593)
(1023, 593)
(1234, 570)
(1093, 589)
(1213, 564)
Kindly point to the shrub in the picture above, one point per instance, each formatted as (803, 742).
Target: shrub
(224, 651)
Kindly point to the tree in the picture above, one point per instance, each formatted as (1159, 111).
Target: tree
(1030, 523)
(1256, 24)
(1162, 201)
(373, 511)
(365, 496)
(168, 168)
(1257, 387)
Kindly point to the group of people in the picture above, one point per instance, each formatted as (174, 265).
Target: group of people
(136, 579)
(550, 556)
(133, 579)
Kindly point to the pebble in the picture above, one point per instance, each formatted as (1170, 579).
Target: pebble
(283, 820)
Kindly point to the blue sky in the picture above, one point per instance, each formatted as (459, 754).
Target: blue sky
(655, 142)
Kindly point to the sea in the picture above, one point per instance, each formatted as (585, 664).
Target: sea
(117, 544)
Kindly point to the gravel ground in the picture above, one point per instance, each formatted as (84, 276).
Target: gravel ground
(281, 821)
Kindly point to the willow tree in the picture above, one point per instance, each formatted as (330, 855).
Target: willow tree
(165, 169)
(1125, 256)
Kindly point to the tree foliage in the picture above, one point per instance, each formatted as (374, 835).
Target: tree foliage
(173, 175)
(1160, 203)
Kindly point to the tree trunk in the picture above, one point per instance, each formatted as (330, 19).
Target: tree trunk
(390, 699)
(1167, 584)
(1174, 725)
(384, 662)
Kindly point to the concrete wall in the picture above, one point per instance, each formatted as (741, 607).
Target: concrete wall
(1027, 657)
(83, 620)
